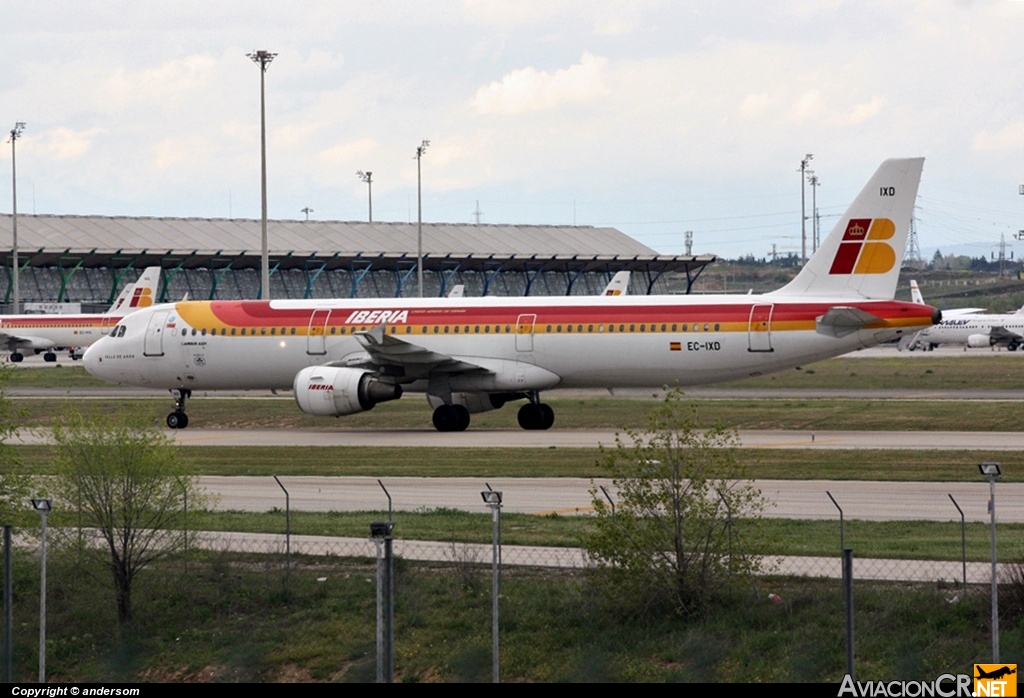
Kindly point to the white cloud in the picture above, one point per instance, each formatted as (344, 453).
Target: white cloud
(170, 81)
(64, 143)
(351, 153)
(528, 89)
(1010, 137)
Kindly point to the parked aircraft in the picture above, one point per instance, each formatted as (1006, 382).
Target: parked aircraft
(915, 342)
(618, 286)
(975, 331)
(48, 332)
(968, 327)
(343, 356)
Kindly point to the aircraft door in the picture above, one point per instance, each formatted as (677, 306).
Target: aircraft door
(524, 331)
(759, 331)
(153, 343)
(316, 339)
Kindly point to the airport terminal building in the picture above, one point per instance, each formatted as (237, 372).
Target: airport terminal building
(87, 259)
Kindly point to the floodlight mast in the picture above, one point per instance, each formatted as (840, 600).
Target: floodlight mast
(813, 180)
(15, 288)
(419, 213)
(368, 178)
(803, 211)
(262, 59)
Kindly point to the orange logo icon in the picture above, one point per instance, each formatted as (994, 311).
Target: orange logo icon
(141, 298)
(862, 250)
(995, 680)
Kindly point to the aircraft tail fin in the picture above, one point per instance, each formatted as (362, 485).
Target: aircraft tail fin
(915, 293)
(141, 294)
(862, 255)
(618, 286)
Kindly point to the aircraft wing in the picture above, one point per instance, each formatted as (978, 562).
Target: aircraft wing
(841, 320)
(395, 356)
(1001, 335)
(13, 340)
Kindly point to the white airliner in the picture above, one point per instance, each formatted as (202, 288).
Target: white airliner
(919, 340)
(968, 327)
(471, 355)
(48, 332)
(976, 331)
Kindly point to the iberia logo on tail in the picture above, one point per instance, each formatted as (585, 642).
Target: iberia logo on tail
(141, 298)
(861, 250)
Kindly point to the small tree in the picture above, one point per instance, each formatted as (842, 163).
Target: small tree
(672, 537)
(125, 481)
(15, 487)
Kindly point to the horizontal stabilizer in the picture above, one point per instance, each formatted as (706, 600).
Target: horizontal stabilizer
(843, 320)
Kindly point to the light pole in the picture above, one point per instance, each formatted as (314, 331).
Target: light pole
(813, 180)
(803, 210)
(307, 211)
(263, 59)
(43, 506)
(368, 178)
(419, 215)
(992, 471)
(15, 291)
(492, 499)
(382, 534)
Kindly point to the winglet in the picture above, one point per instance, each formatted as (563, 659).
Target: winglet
(862, 255)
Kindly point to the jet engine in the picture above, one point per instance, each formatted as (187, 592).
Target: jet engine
(331, 391)
(978, 341)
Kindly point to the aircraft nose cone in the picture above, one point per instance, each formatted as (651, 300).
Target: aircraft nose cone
(92, 361)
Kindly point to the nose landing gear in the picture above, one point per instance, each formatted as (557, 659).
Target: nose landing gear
(178, 419)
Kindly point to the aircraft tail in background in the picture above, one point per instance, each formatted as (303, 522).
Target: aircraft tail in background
(862, 255)
(141, 294)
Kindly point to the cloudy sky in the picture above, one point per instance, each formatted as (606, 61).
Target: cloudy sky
(652, 116)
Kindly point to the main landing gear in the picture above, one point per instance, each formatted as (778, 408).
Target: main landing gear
(49, 357)
(178, 419)
(535, 415)
(451, 418)
(17, 357)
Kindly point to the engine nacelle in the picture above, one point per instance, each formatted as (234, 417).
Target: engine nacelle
(330, 392)
(978, 341)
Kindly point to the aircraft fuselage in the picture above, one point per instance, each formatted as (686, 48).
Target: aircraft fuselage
(585, 342)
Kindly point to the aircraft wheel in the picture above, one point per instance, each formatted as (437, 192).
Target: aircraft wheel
(1012, 347)
(177, 420)
(547, 416)
(17, 357)
(533, 417)
(462, 415)
(49, 357)
(451, 418)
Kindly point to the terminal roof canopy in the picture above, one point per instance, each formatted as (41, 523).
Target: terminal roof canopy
(105, 241)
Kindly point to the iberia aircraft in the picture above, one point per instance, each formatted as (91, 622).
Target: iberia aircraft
(471, 355)
(48, 332)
